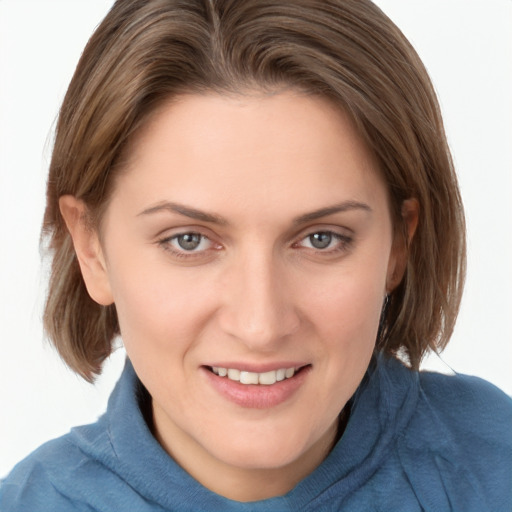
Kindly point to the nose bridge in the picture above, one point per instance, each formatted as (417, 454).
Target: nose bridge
(259, 307)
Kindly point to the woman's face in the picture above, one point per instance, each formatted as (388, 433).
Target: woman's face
(251, 236)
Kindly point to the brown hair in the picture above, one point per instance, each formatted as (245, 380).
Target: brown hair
(147, 51)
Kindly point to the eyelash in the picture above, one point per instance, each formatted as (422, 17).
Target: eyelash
(343, 244)
(166, 244)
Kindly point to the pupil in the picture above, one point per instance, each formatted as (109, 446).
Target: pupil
(190, 241)
(320, 240)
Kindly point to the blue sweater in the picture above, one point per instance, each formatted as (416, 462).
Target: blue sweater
(414, 441)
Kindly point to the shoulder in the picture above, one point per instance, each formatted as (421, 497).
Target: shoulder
(37, 482)
(79, 472)
(460, 436)
(468, 404)
(76, 472)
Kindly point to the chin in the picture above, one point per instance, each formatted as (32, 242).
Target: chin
(262, 459)
(270, 450)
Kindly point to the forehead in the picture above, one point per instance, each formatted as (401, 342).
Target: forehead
(263, 149)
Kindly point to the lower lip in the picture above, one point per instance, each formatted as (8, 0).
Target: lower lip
(257, 396)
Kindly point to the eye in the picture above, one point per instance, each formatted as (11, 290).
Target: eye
(187, 243)
(320, 240)
(327, 241)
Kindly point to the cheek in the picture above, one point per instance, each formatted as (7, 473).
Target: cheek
(347, 327)
(346, 320)
(157, 305)
(347, 305)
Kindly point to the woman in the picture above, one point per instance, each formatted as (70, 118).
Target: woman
(258, 196)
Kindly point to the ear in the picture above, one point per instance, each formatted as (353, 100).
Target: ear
(87, 248)
(402, 240)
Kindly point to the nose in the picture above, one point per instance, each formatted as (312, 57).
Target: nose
(258, 303)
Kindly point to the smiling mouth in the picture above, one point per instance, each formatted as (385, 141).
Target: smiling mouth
(265, 378)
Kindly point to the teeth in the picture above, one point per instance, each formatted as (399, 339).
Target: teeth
(289, 372)
(249, 378)
(266, 378)
(233, 374)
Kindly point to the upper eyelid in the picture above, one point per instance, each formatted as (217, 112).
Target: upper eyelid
(171, 232)
(339, 236)
(334, 231)
(182, 233)
(340, 231)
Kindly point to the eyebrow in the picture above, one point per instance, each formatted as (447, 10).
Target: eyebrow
(331, 210)
(186, 211)
(212, 218)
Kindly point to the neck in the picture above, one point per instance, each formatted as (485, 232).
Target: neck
(243, 484)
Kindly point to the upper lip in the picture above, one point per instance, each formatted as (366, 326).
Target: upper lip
(258, 367)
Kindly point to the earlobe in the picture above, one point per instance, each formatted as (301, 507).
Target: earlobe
(401, 243)
(87, 248)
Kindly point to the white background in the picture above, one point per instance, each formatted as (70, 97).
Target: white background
(466, 46)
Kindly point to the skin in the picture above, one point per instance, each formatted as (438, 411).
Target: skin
(255, 290)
